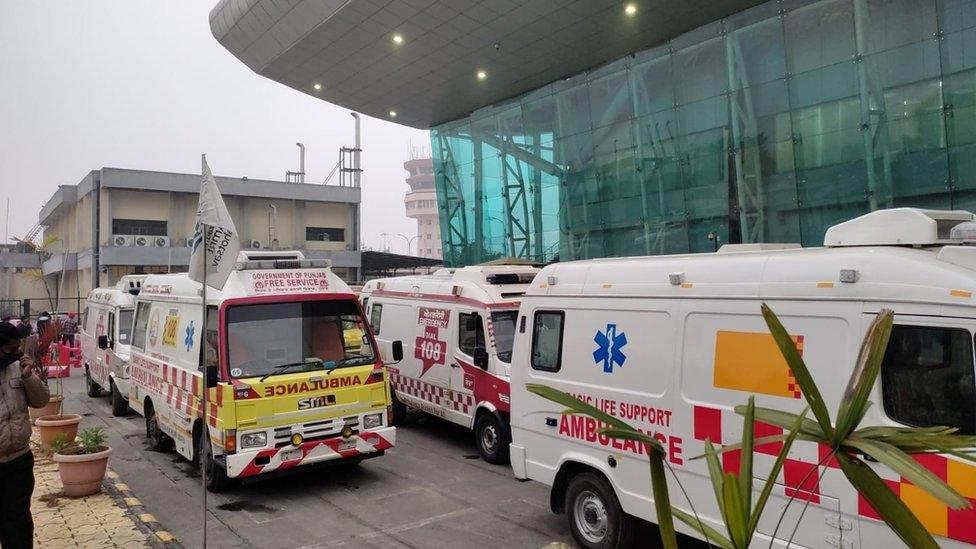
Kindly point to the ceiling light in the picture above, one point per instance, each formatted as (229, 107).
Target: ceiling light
(317, 86)
(397, 39)
(482, 75)
(392, 114)
(631, 9)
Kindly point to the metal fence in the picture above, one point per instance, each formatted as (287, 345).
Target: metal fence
(33, 306)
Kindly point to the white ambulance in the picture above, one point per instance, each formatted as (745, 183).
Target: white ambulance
(293, 388)
(458, 325)
(105, 335)
(671, 344)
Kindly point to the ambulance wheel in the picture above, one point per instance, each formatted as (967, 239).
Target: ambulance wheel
(217, 479)
(595, 515)
(91, 388)
(157, 438)
(399, 410)
(120, 406)
(492, 438)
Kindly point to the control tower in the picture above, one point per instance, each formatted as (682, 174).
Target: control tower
(421, 204)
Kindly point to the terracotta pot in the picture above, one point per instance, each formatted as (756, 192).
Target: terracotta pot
(82, 474)
(51, 426)
(52, 408)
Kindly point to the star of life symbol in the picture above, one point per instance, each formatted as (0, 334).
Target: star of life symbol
(188, 341)
(608, 348)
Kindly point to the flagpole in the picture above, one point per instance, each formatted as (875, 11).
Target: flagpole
(204, 369)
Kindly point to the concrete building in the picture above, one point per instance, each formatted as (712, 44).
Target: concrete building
(118, 221)
(590, 128)
(20, 279)
(421, 204)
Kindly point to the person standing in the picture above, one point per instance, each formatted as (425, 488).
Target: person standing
(69, 329)
(43, 320)
(20, 387)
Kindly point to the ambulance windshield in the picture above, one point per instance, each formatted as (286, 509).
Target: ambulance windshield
(279, 338)
(503, 328)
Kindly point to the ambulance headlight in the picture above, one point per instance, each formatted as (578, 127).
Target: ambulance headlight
(254, 440)
(372, 421)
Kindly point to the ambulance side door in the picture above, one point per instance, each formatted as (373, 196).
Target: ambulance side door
(927, 378)
(465, 373)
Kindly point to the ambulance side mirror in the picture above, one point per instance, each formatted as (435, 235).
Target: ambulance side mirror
(103, 342)
(480, 358)
(396, 349)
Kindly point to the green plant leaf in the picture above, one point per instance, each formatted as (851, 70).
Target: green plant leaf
(894, 512)
(738, 445)
(576, 405)
(662, 500)
(799, 369)
(637, 436)
(904, 465)
(710, 533)
(854, 402)
(745, 458)
(715, 474)
(736, 520)
(767, 488)
(808, 427)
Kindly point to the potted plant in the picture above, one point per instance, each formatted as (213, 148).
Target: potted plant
(82, 462)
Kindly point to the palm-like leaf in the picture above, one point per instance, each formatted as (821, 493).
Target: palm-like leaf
(855, 403)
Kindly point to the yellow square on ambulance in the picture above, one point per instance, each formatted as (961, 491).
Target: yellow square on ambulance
(752, 362)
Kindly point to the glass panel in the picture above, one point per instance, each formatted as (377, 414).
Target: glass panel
(547, 341)
(503, 332)
(471, 335)
(927, 378)
(315, 337)
(125, 325)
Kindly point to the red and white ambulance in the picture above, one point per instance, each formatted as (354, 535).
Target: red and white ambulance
(458, 326)
(299, 379)
(105, 333)
(671, 344)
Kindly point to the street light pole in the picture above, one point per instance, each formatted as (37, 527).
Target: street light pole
(409, 241)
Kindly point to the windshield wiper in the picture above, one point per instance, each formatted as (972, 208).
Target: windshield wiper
(346, 362)
(274, 370)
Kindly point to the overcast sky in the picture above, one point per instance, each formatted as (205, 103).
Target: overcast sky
(144, 85)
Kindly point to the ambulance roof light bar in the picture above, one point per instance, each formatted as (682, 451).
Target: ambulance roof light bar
(272, 264)
(898, 227)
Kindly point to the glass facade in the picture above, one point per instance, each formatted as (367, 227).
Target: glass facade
(767, 126)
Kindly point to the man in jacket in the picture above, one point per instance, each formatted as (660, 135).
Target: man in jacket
(20, 387)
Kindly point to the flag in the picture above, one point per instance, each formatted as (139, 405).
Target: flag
(221, 239)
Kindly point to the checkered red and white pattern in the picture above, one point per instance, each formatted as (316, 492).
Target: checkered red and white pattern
(438, 396)
(723, 426)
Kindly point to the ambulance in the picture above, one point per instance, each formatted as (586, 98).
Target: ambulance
(671, 344)
(291, 389)
(105, 334)
(458, 325)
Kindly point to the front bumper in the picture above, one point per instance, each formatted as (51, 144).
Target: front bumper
(254, 462)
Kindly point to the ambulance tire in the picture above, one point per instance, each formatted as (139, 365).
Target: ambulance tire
(91, 388)
(595, 516)
(492, 438)
(157, 438)
(399, 410)
(217, 479)
(120, 406)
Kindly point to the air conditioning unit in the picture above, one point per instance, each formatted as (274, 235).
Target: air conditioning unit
(160, 241)
(143, 241)
(123, 240)
(254, 244)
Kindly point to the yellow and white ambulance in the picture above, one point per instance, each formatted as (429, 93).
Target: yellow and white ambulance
(458, 325)
(671, 344)
(105, 333)
(292, 388)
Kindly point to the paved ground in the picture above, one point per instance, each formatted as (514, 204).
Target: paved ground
(431, 490)
(95, 521)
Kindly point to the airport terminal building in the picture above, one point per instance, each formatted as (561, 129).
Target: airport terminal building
(591, 128)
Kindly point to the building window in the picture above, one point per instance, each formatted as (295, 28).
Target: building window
(139, 227)
(927, 378)
(324, 234)
(547, 340)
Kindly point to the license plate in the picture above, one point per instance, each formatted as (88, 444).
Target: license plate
(289, 455)
(348, 444)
